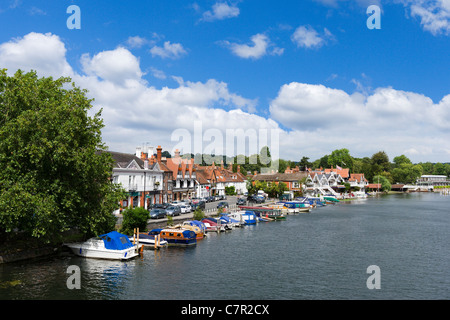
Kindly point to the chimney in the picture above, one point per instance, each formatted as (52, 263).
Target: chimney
(158, 154)
(138, 152)
(146, 164)
(177, 153)
(238, 168)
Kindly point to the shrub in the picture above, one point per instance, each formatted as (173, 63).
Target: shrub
(134, 218)
(198, 214)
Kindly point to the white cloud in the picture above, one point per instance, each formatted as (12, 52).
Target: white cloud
(169, 50)
(136, 42)
(392, 120)
(44, 53)
(259, 47)
(117, 65)
(434, 15)
(308, 37)
(318, 119)
(159, 74)
(220, 11)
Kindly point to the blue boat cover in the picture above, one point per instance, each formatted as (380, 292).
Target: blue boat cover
(116, 241)
(199, 224)
(154, 232)
(189, 234)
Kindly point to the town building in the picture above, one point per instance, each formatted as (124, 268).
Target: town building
(291, 177)
(141, 179)
(433, 181)
(212, 180)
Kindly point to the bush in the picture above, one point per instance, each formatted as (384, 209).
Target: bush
(198, 214)
(134, 218)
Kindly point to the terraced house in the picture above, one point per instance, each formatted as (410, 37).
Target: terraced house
(333, 180)
(212, 180)
(140, 177)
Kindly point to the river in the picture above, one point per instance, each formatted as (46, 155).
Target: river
(321, 255)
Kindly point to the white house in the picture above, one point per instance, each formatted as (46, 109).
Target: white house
(142, 180)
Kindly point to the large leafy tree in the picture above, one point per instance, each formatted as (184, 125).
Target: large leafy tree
(53, 175)
(341, 157)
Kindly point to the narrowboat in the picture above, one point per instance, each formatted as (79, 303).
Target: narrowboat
(198, 232)
(298, 206)
(178, 237)
(266, 212)
(111, 246)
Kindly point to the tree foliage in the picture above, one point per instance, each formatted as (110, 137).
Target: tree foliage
(53, 175)
(134, 218)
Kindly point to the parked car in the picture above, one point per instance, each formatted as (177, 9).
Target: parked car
(241, 201)
(200, 204)
(185, 208)
(211, 199)
(157, 213)
(216, 198)
(255, 198)
(159, 206)
(222, 204)
(173, 211)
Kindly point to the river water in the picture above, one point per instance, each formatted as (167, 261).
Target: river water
(319, 255)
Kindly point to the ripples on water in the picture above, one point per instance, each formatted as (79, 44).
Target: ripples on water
(320, 255)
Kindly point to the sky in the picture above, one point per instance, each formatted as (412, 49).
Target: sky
(228, 77)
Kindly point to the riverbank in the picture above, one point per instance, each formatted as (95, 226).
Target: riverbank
(19, 248)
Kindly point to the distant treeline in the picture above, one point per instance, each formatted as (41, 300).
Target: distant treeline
(399, 170)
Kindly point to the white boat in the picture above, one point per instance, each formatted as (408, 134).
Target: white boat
(150, 240)
(245, 217)
(112, 246)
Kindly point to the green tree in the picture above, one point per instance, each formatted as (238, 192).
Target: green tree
(401, 160)
(304, 163)
(380, 163)
(53, 173)
(230, 191)
(407, 173)
(385, 184)
(341, 157)
(198, 214)
(134, 218)
(439, 169)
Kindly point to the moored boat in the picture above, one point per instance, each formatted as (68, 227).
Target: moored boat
(247, 216)
(199, 233)
(177, 237)
(151, 240)
(213, 225)
(111, 246)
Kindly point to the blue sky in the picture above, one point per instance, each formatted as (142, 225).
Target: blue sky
(310, 69)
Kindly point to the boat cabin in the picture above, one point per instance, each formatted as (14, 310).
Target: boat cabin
(179, 237)
(116, 241)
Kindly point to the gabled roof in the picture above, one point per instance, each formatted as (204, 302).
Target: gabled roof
(358, 177)
(125, 160)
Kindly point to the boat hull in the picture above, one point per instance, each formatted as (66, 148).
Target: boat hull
(96, 250)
